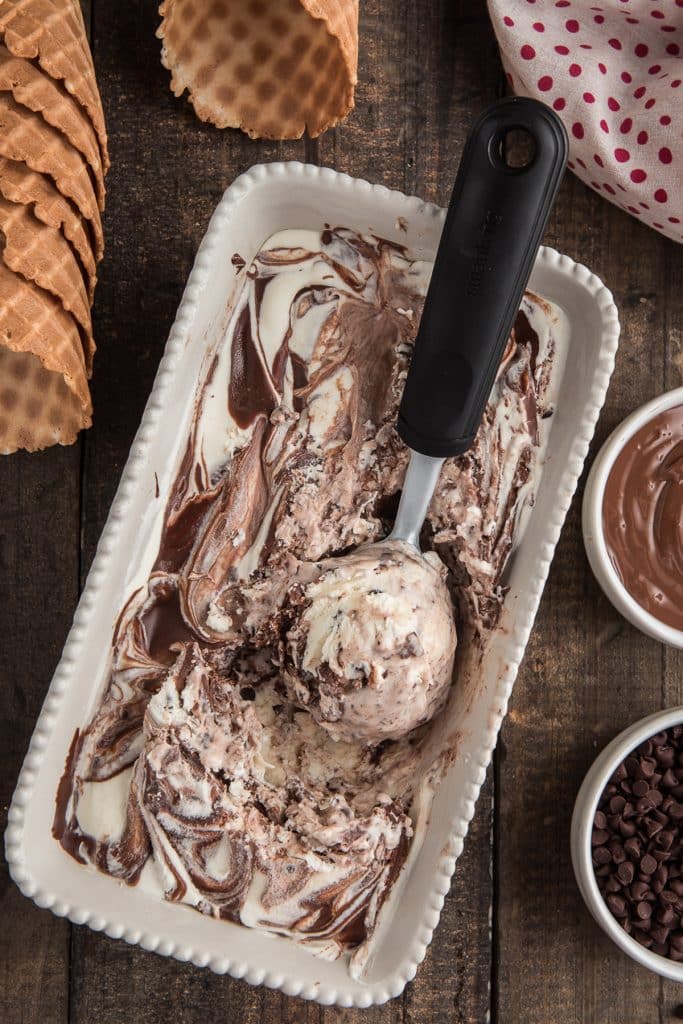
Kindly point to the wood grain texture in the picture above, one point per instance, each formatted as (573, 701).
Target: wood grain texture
(587, 674)
(39, 535)
(426, 69)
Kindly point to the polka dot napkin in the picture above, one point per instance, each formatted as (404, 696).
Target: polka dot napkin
(613, 71)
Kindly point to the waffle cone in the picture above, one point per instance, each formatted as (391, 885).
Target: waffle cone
(33, 89)
(52, 32)
(37, 408)
(34, 324)
(20, 184)
(25, 136)
(274, 68)
(42, 254)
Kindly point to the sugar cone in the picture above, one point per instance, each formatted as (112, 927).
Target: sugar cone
(37, 408)
(33, 323)
(20, 184)
(33, 89)
(273, 68)
(52, 32)
(42, 254)
(26, 137)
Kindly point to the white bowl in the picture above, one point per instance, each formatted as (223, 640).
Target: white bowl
(592, 523)
(267, 199)
(585, 807)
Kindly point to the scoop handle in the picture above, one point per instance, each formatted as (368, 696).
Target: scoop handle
(495, 220)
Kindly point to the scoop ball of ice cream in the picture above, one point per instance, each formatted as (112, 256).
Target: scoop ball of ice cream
(369, 642)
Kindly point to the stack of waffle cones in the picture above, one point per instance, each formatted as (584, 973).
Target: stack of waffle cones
(53, 160)
(274, 68)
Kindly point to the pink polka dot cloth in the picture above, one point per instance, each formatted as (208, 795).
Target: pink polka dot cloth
(613, 71)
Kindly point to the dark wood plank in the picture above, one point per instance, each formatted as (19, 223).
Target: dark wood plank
(39, 531)
(587, 674)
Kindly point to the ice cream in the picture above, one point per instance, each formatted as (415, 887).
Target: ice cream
(232, 761)
(368, 645)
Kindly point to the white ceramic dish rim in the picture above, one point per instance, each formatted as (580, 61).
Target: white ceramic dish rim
(592, 525)
(582, 826)
(393, 984)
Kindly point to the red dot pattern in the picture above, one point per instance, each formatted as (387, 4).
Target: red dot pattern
(609, 71)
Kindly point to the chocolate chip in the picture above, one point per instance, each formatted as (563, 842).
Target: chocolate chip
(625, 872)
(617, 905)
(639, 890)
(600, 820)
(616, 851)
(651, 827)
(659, 933)
(666, 916)
(637, 844)
(648, 865)
(632, 847)
(644, 911)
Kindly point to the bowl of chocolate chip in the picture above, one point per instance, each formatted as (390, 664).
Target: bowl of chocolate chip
(633, 518)
(627, 841)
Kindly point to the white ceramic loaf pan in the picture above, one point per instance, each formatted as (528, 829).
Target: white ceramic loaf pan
(267, 199)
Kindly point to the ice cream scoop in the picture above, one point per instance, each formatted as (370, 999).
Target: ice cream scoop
(371, 642)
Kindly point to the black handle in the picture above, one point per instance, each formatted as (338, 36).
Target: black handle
(493, 229)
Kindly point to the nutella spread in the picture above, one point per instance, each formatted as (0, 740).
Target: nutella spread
(643, 516)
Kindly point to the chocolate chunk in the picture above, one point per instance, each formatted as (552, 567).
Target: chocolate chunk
(600, 836)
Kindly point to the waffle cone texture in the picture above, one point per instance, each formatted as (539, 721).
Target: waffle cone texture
(274, 68)
(53, 162)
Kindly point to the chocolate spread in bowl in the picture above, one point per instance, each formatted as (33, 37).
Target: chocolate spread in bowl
(642, 516)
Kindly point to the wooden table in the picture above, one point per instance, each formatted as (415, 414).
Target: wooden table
(515, 940)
